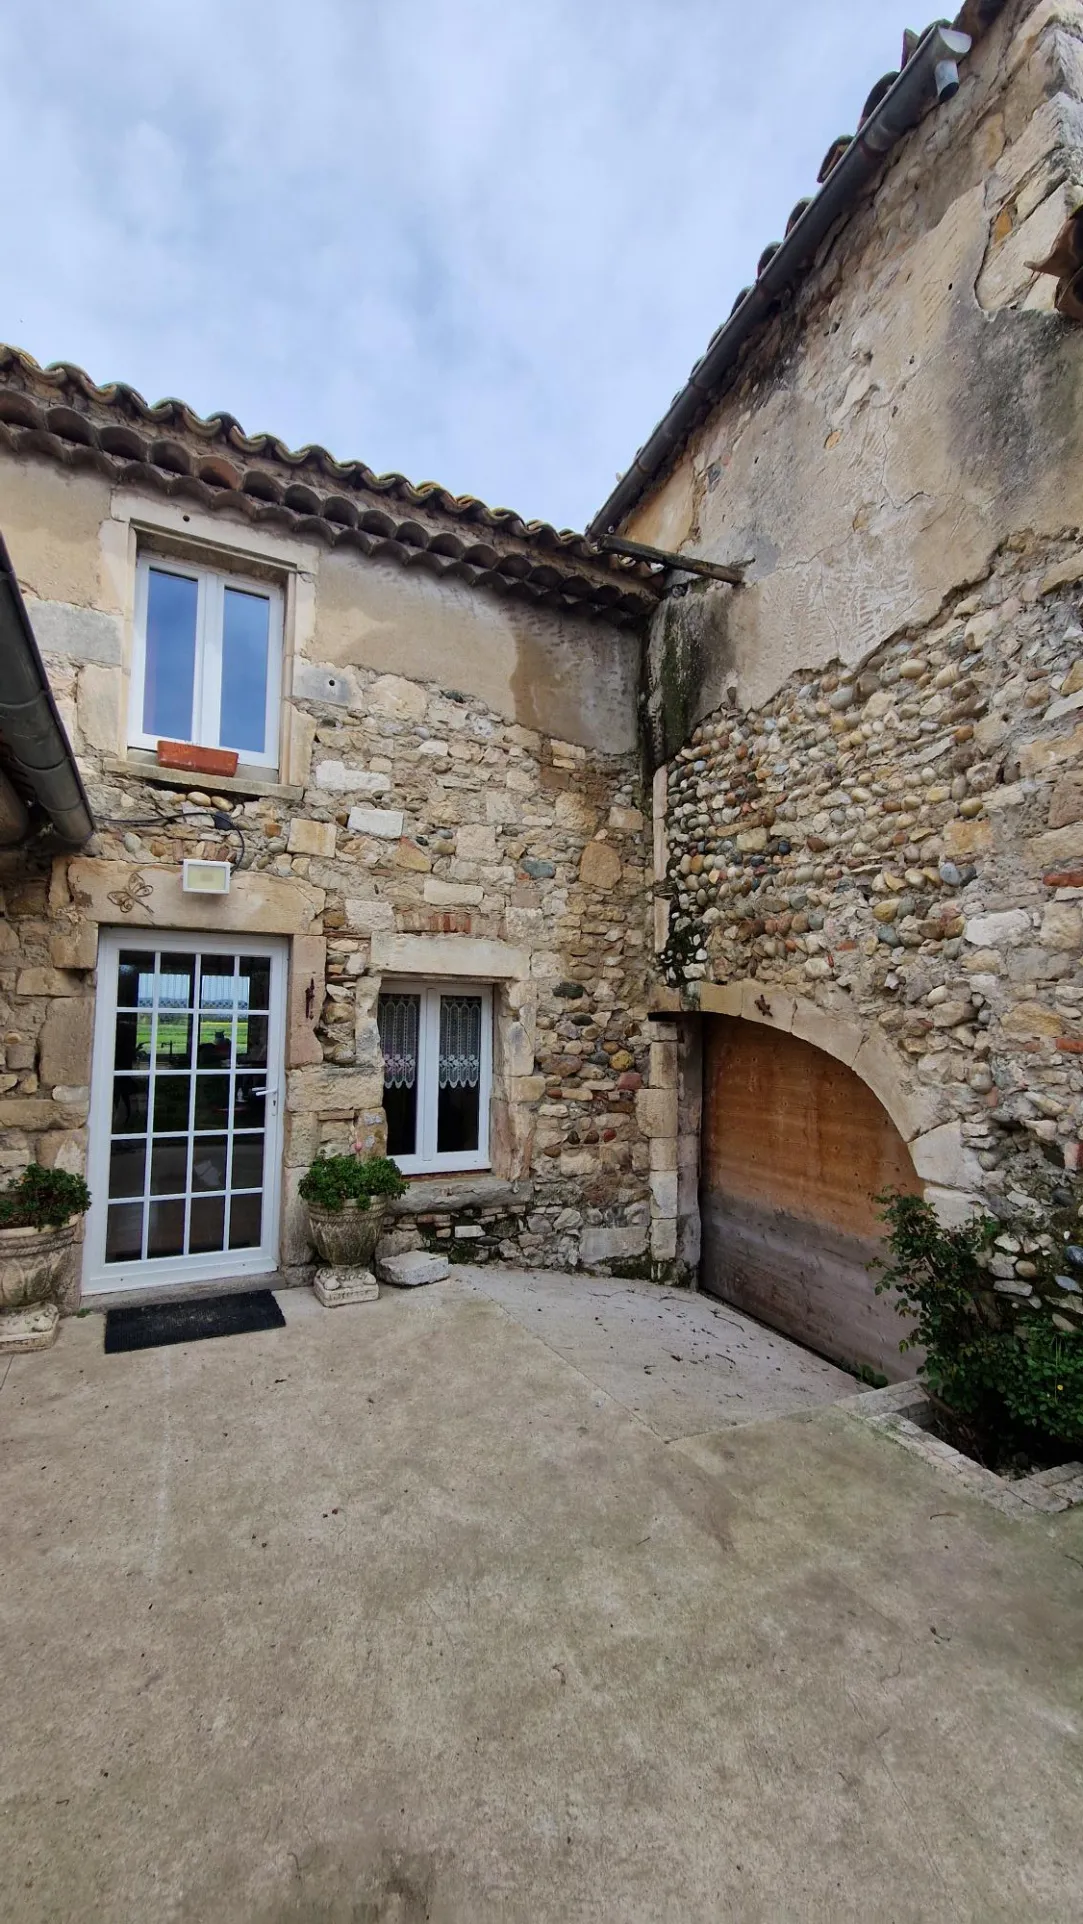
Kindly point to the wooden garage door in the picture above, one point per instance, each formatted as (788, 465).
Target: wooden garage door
(795, 1146)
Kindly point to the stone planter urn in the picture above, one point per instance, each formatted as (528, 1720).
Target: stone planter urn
(36, 1282)
(346, 1242)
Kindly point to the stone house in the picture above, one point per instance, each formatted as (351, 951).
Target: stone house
(867, 792)
(404, 739)
(676, 884)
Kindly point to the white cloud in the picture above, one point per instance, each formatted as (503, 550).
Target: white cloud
(477, 242)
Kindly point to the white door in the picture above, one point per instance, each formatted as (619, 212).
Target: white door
(185, 1108)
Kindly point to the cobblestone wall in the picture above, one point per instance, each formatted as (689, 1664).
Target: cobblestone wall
(901, 841)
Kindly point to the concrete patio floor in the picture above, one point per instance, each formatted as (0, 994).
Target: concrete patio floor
(402, 1612)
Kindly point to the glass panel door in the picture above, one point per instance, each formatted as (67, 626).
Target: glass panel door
(185, 1110)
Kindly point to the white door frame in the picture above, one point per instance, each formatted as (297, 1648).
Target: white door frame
(100, 1277)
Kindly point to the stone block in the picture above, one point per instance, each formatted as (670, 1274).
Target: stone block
(656, 1112)
(75, 947)
(466, 895)
(415, 1267)
(941, 1157)
(719, 998)
(663, 1070)
(626, 821)
(83, 633)
(324, 682)
(574, 813)
(34, 1327)
(1066, 802)
(337, 779)
(46, 982)
(27, 1112)
(665, 1152)
(1060, 845)
(1031, 1019)
(1037, 756)
(611, 1244)
(307, 837)
(994, 931)
(384, 823)
(953, 1207)
(964, 838)
(336, 1287)
(257, 903)
(63, 1149)
(368, 916)
(66, 1036)
(663, 1192)
(912, 1109)
(300, 741)
(476, 842)
(526, 1088)
(100, 707)
(664, 1239)
(836, 1035)
(600, 866)
(329, 1091)
(308, 963)
(470, 958)
(1062, 926)
(402, 700)
(409, 855)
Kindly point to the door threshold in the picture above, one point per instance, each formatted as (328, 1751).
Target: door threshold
(146, 1295)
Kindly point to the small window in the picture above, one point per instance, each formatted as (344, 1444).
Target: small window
(437, 1048)
(207, 661)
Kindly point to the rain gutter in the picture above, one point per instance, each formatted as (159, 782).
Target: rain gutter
(930, 75)
(31, 729)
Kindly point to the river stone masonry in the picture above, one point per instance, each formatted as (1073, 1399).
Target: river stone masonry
(901, 842)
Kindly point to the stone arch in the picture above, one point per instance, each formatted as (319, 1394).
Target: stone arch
(950, 1172)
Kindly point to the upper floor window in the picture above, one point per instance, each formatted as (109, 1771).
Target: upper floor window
(207, 664)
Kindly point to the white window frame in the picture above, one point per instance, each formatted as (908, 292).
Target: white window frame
(207, 693)
(99, 1277)
(427, 1161)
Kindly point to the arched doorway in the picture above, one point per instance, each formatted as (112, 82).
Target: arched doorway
(795, 1146)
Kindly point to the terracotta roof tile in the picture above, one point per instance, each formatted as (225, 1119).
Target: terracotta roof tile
(58, 411)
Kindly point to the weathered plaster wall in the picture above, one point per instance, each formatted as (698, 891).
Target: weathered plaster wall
(428, 816)
(867, 813)
(889, 863)
(918, 404)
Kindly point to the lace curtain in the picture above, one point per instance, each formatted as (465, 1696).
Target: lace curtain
(397, 1019)
(460, 1041)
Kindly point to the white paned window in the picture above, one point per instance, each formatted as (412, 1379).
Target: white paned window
(437, 1042)
(207, 665)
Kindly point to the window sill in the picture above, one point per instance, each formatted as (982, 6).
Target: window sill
(255, 783)
(462, 1189)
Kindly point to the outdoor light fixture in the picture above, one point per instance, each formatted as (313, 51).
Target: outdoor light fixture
(205, 878)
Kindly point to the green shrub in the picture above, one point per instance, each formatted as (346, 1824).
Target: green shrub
(333, 1181)
(42, 1199)
(996, 1360)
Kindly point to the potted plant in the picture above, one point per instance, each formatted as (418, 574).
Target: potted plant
(348, 1198)
(39, 1223)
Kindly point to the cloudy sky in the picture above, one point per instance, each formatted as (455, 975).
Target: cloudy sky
(478, 241)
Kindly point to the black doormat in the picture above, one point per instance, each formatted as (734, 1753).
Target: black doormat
(155, 1324)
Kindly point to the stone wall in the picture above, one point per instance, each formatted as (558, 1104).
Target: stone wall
(913, 405)
(415, 827)
(900, 843)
